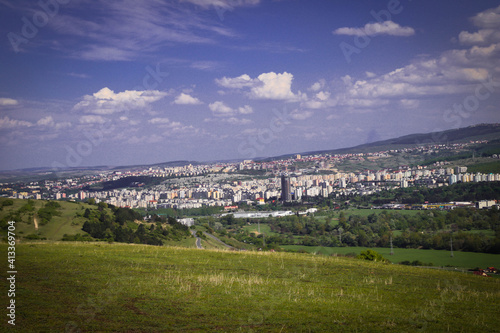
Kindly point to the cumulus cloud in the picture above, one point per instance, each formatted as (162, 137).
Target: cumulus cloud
(318, 85)
(274, 86)
(185, 99)
(46, 121)
(377, 28)
(488, 23)
(106, 101)
(219, 109)
(320, 100)
(8, 102)
(7, 122)
(239, 82)
(488, 19)
(452, 72)
(247, 109)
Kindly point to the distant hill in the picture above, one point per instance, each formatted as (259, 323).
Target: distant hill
(489, 132)
(471, 133)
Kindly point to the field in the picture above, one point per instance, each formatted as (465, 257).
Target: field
(264, 228)
(96, 287)
(436, 257)
(366, 212)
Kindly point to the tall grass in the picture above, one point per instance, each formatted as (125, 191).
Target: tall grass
(127, 288)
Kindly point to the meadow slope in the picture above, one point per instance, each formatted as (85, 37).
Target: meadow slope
(99, 287)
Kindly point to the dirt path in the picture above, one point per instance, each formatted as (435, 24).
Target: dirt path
(36, 223)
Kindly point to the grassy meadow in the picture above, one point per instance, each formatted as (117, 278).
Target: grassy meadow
(101, 287)
(462, 260)
(69, 222)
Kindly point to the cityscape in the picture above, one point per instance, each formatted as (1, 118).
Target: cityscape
(250, 166)
(221, 184)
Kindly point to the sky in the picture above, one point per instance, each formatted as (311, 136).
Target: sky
(127, 82)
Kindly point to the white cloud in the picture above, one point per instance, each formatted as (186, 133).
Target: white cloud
(301, 114)
(323, 96)
(377, 28)
(92, 119)
(453, 72)
(8, 102)
(225, 4)
(488, 19)
(46, 121)
(220, 109)
(370, 75)
(247, 109)
(6, 122)
(275, 86)
(318, 85)
(239, 82)
(489, 23)
(171, 126)
(320, 100)
(149, 26)
(224, 113)
(106, 101)
(159, 121)
(62, 125)
(185, 99)
(237, 121)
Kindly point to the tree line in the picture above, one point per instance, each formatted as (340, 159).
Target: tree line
(425, 229)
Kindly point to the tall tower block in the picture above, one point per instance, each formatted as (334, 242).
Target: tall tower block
(286, 195)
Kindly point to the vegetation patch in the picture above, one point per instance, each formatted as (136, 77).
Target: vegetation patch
(138, 288)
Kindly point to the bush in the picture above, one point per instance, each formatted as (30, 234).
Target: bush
(371, 255)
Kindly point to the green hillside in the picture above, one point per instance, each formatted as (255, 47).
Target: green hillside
(68, 221)
(88, 287)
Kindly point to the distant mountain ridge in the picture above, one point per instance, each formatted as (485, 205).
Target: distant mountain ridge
(475, 132)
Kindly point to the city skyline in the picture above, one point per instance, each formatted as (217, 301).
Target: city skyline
(124, 83)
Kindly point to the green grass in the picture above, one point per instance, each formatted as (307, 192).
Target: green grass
(264, 228)
(92, 287)
(436, 257)
(67, 223)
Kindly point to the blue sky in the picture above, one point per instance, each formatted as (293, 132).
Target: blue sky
(124, 82)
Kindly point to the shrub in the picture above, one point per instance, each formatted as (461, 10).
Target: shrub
(371, 255)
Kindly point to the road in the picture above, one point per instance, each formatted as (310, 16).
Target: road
(218, 240)
(198, 239)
